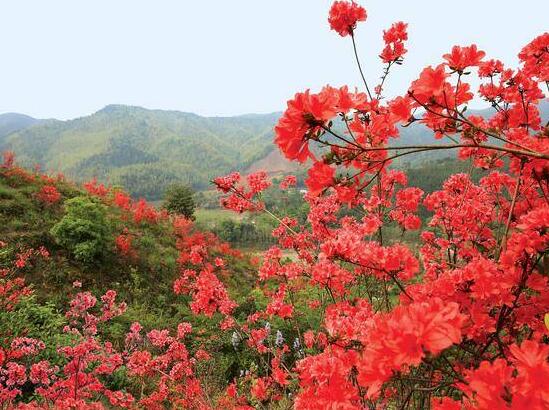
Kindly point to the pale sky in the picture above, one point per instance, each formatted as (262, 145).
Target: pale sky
(69, 58)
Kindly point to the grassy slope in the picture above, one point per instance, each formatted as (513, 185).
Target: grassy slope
(144, 281)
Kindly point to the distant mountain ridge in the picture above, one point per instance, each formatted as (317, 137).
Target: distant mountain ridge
(145, 150)
(12, 122)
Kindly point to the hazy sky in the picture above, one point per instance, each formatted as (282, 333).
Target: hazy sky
(69, 58)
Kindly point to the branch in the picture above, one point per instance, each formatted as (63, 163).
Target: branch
(359, 66)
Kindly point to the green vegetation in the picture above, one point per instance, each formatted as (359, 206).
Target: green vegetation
(250, 231)
(208, 218)
(179, 199)
(79, 232)
(84, 230)
(145, 151)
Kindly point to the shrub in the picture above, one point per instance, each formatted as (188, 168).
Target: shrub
(84, 230)
(179, 199)
(49, 195)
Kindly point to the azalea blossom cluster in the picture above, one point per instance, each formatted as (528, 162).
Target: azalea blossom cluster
(241, 194)
(200, 269)
(49, 195)
(123, 243)
(140, 210)
(344, 16)
(12, 286)
(8, 159)
(455, 324)
(157, 361)
(16, 176)
(350, 314)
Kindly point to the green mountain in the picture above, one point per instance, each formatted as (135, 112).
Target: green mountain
(12, 122)
(144, 150)
(147, 150)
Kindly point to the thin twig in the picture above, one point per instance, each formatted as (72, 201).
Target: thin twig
(359, 66)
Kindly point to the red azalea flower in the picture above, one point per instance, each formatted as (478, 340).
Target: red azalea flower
(535, 56)
(49, 194)
(321, 176)
(344, 15)
(401, 108)
(394, 42)
(430, 83)
(462, 57)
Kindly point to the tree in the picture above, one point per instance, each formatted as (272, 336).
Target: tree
(84, 230)
(179, 199)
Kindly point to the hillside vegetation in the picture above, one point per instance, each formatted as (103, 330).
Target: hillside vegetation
(99, 237)
(144, 150)
(147, 150)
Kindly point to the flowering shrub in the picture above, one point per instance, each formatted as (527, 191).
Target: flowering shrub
(355, 318)
(199, 264)
(123, 243)
(158, 362)
(96, 189)
(8, 159)
(49, 195)
(459, 325)
(144, 212)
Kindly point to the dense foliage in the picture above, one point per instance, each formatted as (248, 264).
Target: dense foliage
(143, 150)
(341, 317)
(179, 199)
(83, 230)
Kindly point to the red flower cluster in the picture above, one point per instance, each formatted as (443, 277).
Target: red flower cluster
(143, 212)
(288, 181)
(463, 57)
(535, 56)
(140, 211)
(96, 189)
(240, 198)
(344, 15)
(307, 115)
(321, 176)
(8, 159)
(122, 200)
(198, 259)
(123, 243)
(49, 195)
(394, 39)
(521, 385)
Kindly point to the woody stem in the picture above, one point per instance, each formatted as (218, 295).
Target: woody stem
(360, 67)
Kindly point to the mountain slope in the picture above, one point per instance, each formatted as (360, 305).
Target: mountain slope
(12, 122)
(144, 150)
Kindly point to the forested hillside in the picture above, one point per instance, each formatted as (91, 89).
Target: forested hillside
(144, 150)
(12, 122)
(147, 150)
